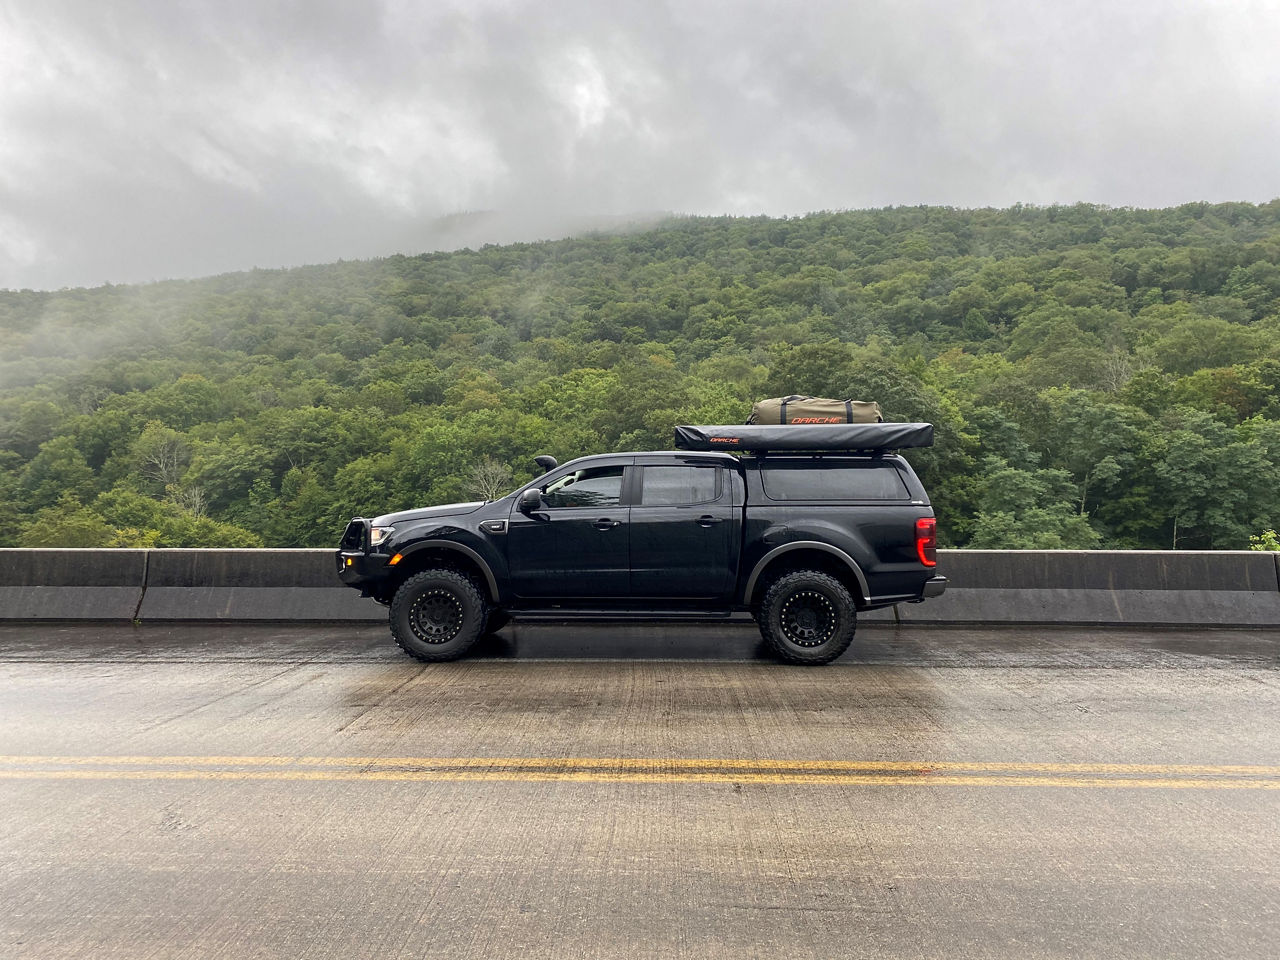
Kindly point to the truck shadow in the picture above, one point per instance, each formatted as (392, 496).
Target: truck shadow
(604, 640)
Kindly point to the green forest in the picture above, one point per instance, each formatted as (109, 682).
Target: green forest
(1098, 377)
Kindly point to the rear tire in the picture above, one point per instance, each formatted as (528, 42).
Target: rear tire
(807, 617)
(437, 615)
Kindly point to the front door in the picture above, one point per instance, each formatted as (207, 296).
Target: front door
(577, 544)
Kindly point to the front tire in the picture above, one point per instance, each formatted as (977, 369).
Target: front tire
(807, 617)
(437, 615)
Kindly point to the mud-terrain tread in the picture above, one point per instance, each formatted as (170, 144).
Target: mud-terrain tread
(769, 611)
(475, 613)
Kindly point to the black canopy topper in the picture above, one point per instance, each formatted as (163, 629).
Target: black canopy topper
(823, 437)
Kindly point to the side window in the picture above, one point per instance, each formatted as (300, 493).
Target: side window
(674, 486)
(803, 482)
(599, 487)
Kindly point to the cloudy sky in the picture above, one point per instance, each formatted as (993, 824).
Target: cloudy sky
(178, 138)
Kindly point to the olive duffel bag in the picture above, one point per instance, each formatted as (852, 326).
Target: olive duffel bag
(798, 409)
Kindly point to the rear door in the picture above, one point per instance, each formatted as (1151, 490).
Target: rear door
(684, 532)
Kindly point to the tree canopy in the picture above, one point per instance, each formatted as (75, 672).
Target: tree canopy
(1098, 377)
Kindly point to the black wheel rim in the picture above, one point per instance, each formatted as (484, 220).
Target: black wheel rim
(436, 616)
(808, 619)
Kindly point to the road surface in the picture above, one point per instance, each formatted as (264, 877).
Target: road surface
(599, 792)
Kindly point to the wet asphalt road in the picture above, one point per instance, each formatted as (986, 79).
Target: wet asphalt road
(594, 792)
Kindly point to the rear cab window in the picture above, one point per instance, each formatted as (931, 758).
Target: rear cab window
(678, 485)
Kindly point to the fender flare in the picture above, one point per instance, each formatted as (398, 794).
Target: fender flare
(441, 545)
(807, 545)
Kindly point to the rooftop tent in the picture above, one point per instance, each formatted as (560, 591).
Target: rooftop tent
(817, 437)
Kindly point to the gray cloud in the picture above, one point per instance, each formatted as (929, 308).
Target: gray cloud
(147, 140)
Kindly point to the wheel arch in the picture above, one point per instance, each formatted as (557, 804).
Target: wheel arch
(812, 553)
(457, 556)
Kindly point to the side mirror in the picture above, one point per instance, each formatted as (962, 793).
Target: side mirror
(530, 500)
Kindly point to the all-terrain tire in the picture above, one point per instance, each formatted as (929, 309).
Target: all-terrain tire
(437, 615)
(807, 616)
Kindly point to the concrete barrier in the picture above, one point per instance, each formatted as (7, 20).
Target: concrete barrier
(250, 585)
(71, 584)
(1160, 588)
(1141, 588)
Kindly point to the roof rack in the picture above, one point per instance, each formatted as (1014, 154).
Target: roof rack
(845, 437)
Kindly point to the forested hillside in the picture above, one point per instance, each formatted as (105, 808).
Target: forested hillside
(1098, 377)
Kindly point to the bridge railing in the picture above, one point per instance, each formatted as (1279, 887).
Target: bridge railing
(1164, 588)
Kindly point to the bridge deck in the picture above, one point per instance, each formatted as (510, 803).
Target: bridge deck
(244, 790)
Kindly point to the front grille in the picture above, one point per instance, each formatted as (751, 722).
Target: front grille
(356, 536)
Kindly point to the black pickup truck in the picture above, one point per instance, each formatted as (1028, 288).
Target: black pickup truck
(802, 526)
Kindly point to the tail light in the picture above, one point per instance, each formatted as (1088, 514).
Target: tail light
(927, 541)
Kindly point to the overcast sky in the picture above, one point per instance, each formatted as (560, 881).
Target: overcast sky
(180, 138)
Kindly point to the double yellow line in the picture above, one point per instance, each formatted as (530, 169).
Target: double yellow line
(915, 773)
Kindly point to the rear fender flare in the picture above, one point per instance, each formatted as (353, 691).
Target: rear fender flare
(836, 552)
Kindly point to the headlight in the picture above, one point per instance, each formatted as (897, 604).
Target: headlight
(379, 534)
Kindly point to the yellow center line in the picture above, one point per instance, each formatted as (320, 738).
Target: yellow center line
(622, 776)
(674, 770)
(659, 764)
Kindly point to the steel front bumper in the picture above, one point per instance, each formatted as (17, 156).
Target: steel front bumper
(359, 569)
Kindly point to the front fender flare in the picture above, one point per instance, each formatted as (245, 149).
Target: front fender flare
(807, 545)
(490, 580)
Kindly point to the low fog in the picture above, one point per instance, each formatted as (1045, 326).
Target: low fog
(149, 140)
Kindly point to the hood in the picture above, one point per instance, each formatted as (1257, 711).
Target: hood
(428, 513)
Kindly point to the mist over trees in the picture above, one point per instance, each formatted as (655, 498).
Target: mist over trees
(1098, 377)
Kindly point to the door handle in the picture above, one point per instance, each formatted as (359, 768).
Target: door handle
(708, 520)
(604, 523)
